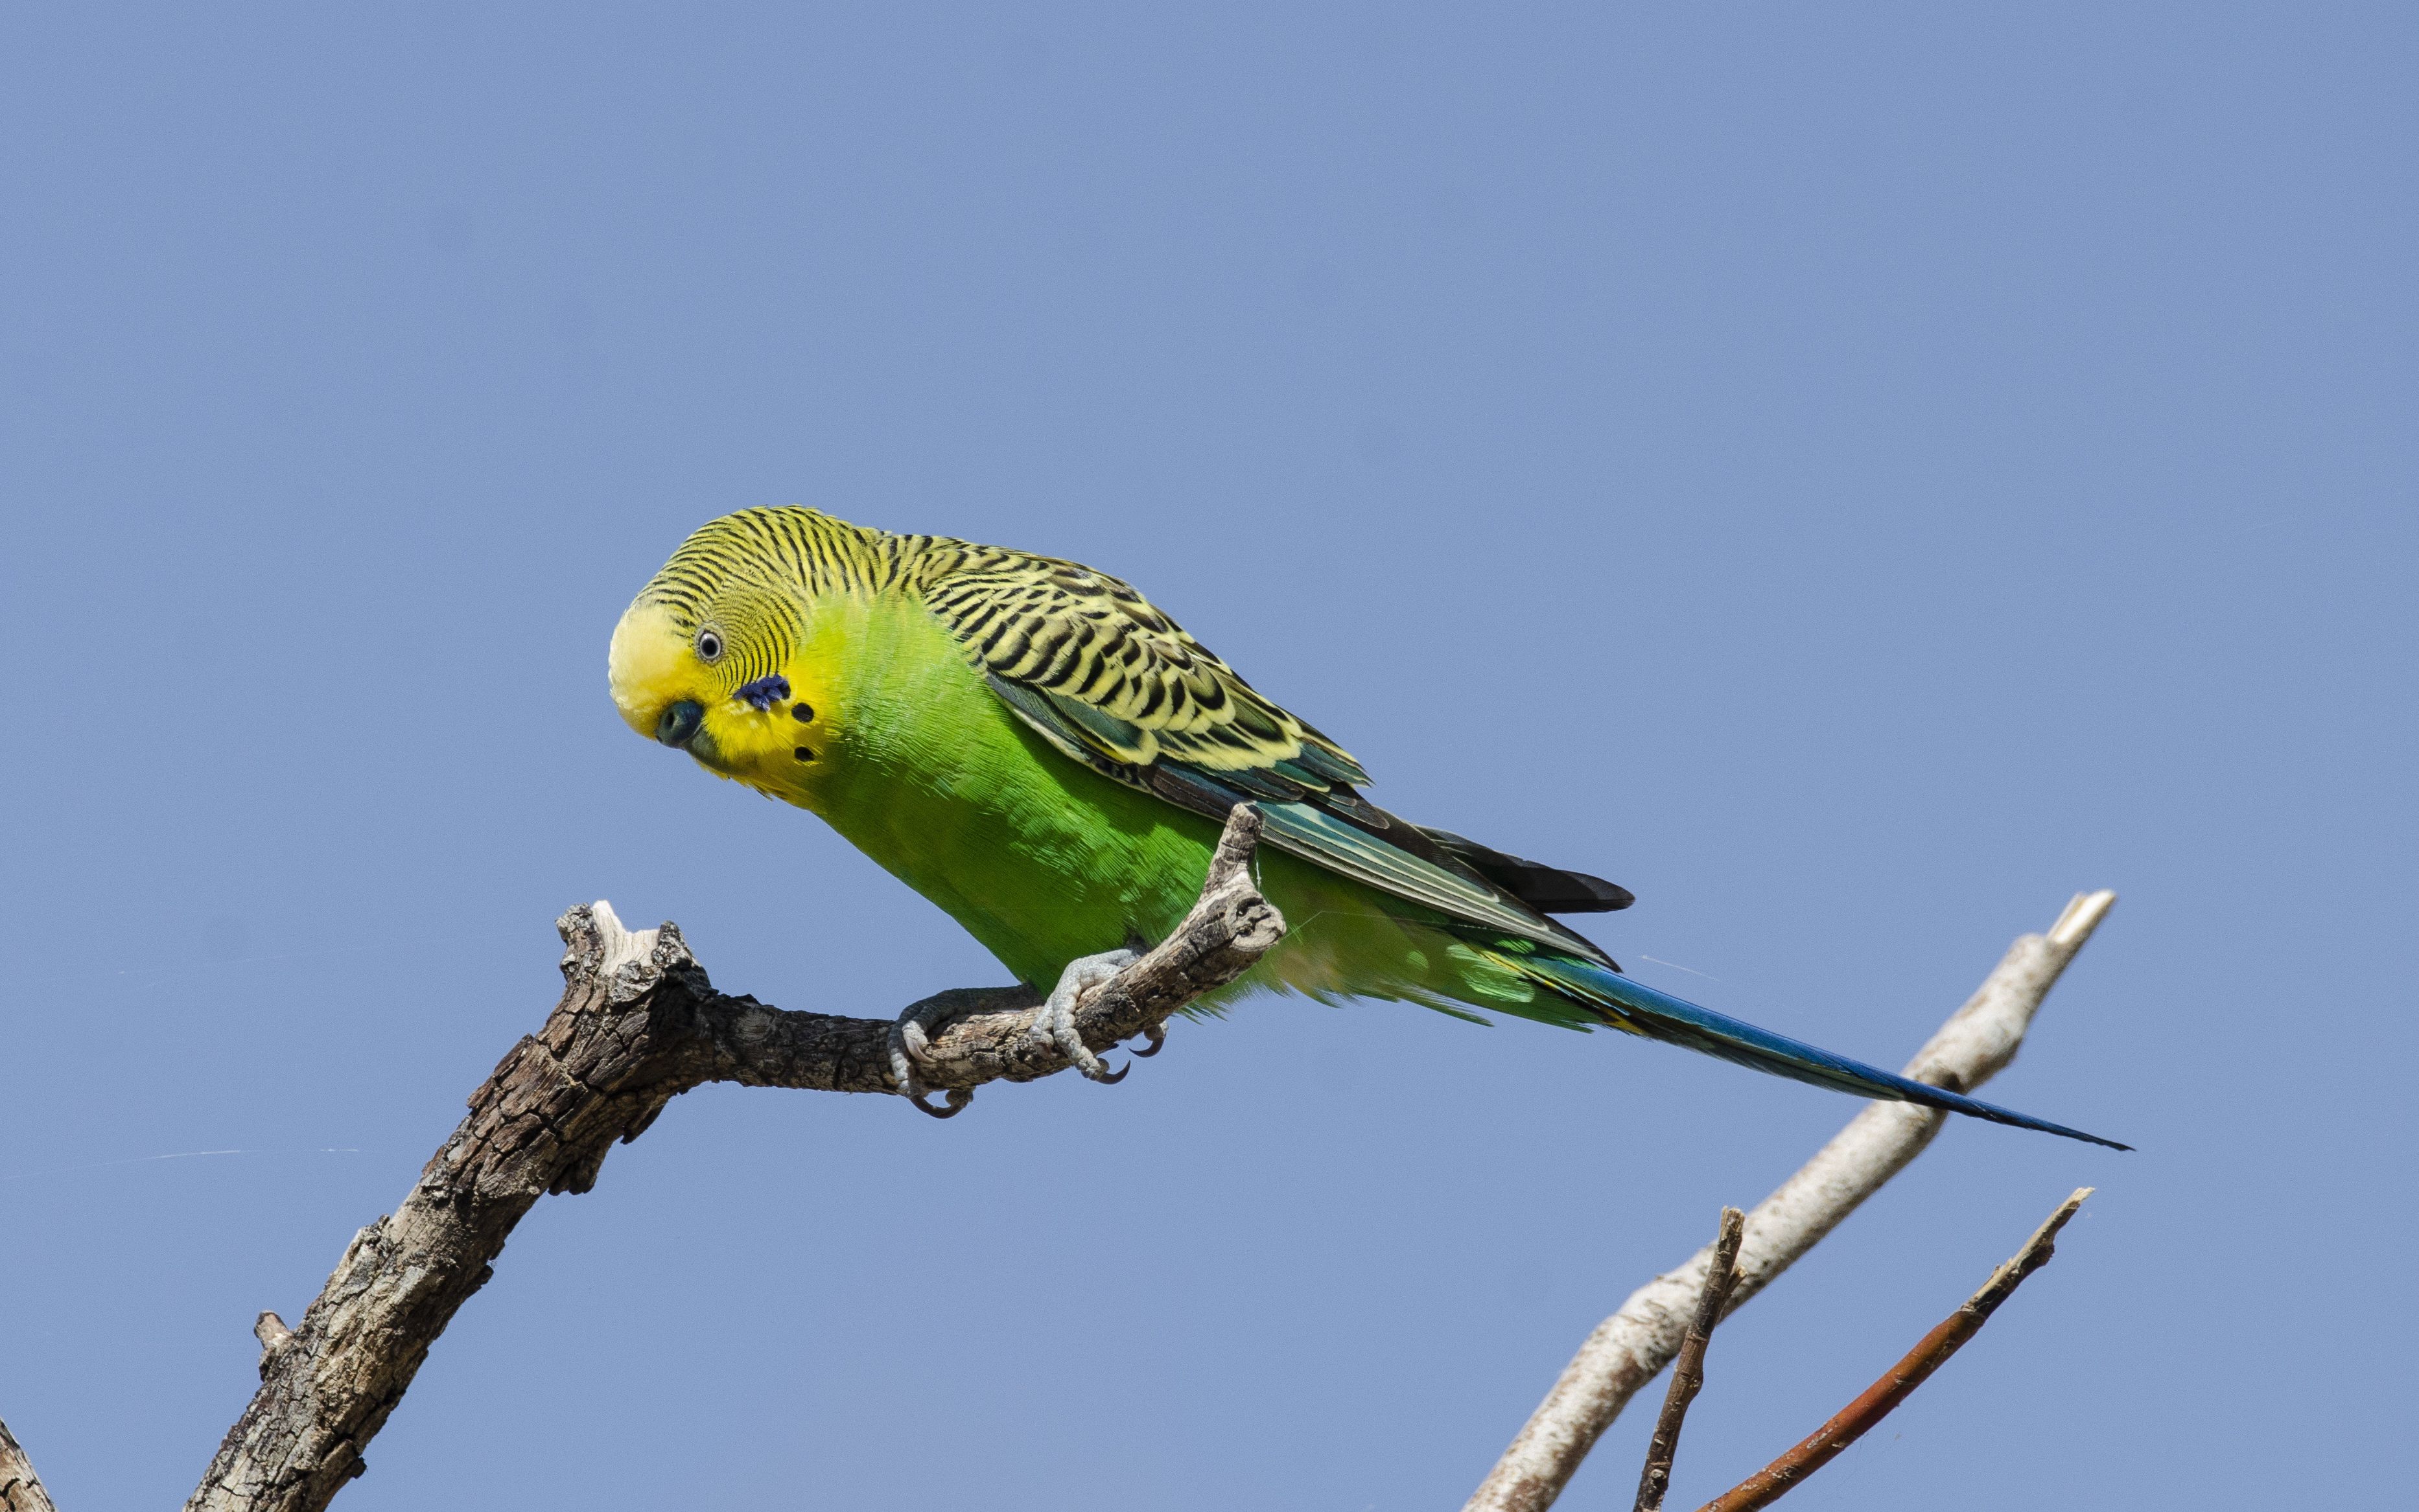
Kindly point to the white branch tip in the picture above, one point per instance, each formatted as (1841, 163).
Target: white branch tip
(623, 946)
(2083, 915)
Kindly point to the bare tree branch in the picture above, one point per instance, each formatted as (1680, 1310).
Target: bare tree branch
(639, 1024)
(1627, 1349)
(1784, 1474)
(21, 1490)
(1688, 1373)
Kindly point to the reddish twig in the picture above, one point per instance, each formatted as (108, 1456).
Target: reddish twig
(1777, 1479)
(1689, 1370)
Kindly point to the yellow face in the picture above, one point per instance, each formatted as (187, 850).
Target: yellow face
(731, 689)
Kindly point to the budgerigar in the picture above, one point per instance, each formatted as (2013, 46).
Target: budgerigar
(1033, 747)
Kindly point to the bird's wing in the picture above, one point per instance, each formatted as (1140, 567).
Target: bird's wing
(1129, 677)
(1113, 683)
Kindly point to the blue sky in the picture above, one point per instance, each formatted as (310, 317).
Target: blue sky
(1854, 478)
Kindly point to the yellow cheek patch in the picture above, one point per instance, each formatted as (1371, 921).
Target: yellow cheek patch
(774, 750)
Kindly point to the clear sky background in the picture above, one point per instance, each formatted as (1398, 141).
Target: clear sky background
(1855, 477)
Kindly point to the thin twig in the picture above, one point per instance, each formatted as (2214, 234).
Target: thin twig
(1626, 1350)
(1777, 1479)
(1688, 1371)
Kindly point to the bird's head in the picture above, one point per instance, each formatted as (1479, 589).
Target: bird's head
(706, 659)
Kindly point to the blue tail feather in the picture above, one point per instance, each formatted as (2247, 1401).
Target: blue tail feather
(1632, 1004)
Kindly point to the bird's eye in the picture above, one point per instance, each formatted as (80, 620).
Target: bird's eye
(709, 644)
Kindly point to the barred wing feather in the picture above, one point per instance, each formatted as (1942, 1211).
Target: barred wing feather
(1110, 681)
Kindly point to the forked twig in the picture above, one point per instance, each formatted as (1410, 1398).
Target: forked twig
(1777, 1479)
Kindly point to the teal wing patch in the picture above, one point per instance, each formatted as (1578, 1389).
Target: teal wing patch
(1348, 850)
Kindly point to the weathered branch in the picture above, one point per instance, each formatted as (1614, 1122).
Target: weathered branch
(1810, 1454)
(637, 1025)
(21, 1490)
(1689, 1372)
(1627, 1349)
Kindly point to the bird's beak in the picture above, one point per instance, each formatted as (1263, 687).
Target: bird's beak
(678, 724)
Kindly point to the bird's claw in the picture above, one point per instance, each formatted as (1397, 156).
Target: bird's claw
(1054, 1020)
(958, 1097)
(908, 1046)
(1157, 1035)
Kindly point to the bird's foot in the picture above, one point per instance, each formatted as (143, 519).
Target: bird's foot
(910, 1044)
(1054, 1020)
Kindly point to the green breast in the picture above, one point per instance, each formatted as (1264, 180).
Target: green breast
(927, 772)
(1044, 860)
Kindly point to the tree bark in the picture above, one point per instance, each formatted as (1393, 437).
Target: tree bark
(639, 1024)
(21, 1490)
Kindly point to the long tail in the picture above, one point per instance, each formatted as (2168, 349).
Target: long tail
(1627, 1003)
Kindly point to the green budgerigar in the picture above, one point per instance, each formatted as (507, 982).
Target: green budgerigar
(1033, 747)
